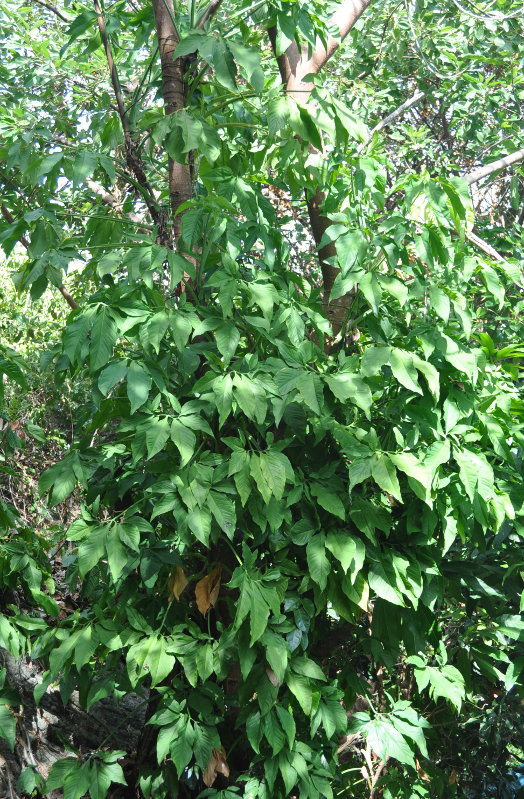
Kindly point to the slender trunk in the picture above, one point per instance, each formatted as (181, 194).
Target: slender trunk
(294, 65)
(173, 88)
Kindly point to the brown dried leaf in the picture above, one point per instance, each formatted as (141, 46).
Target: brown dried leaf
(176, 583)
(453, 777)
(206, 590)
(272, 677)
(420, 771)
(217, 765)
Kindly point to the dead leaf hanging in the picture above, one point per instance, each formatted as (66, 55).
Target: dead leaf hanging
(206, 590)
(272, 677)
(176, 583)
(217, 765)
(420, 771)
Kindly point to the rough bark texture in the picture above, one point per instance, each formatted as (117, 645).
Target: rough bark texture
(41, 731)
(295, 65)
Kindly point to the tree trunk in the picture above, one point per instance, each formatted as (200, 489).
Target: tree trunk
(294, 66)
(173, 88)
(41, 730)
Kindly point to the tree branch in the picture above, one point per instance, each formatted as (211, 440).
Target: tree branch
(209, 13)
(485, 247)
(132, 158)
(112, 71)
(294, 66)
(65, 294)
(500, 163)
(411, 101)
(54, 10)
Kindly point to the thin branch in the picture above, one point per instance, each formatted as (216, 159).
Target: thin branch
(9, 218)
(411, 101)
(54, 10)
(112, 70)
(114, 203)
(485, 247)
(500, 163)
(132, 158)
(209, 13)
(22, 239)
(68, 298)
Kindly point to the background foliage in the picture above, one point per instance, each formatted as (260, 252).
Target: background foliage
(298, 523)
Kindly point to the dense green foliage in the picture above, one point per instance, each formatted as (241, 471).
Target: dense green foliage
(275, 520)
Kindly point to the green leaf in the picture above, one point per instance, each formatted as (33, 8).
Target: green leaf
(277, 652)
(318, 563)
(287, 723)
(346, 386)
(190, 44)
(103, 337)
(181, 748)
(385, 475)
(138, 385)
(84, 165)
(199, 522)
(60, 770)
(223, 510)
(383, 581)
(117, 554)
(476, 474)
(91, 550)
(60, 478)
(111, 375)
(227, 338)
(328, 500)
(370, 288)
(387, 741)
(7, 726)
(258, 613)
(149, 656)
(346, 549)
(184, 439)
(157, 434)
(277, 114)
(307, 390)
(404, 370)
(301, 689)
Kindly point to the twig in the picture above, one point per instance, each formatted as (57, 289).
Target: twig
(112, 70)
(53, 9)
(394, 115)
(376, 777)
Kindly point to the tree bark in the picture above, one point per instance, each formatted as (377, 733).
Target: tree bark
(173, 88)
(494, 166)
(41, 731)
(295, 65)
